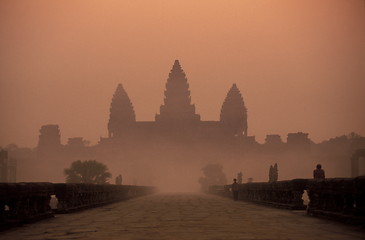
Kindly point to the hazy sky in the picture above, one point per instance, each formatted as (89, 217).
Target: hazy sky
(298, 63)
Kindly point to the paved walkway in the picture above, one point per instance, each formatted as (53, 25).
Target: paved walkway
(184, 216)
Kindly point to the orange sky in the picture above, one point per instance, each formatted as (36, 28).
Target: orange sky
(298, 63)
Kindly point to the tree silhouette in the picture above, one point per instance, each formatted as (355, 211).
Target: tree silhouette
(89, 171)
(213, 175)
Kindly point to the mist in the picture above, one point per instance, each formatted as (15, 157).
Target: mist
(299, 65)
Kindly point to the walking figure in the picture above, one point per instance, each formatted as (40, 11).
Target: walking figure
(235, 188)
(318, 173)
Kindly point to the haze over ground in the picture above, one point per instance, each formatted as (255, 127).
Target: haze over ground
(298, 63)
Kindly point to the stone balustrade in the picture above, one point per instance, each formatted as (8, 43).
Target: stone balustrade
(282, 194)
(26, 202)
(73, 197)
(340, 199)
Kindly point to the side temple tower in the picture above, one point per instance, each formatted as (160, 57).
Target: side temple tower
(122, 114)
(234, 112)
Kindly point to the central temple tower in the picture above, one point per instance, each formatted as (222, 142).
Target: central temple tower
(177, 107)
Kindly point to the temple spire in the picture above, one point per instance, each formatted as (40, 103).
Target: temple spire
(177, 105)
(176, 68)
(121, 112)
(234, 112)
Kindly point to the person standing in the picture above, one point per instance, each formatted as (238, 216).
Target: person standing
(235, 188)
(239, 177)
(118, 180)
(318, 173)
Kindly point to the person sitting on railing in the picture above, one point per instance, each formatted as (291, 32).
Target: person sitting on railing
(235, 188)
(318, 173)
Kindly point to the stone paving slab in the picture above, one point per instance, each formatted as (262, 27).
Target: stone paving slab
(184, 216)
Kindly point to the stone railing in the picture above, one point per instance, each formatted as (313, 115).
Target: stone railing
(283, 194)
(73, 197)
(27, 202)
(341, 199)
(24, 202)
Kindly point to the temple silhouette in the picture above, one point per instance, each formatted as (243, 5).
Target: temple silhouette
(177, 131)
(177, 138)
(178, 142)
(177, 120)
